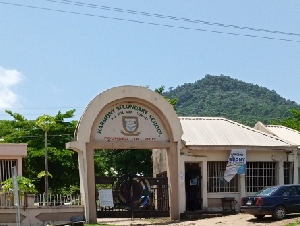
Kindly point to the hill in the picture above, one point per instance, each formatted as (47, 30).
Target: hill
(222, 96)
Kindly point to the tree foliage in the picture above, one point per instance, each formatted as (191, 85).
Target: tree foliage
(25, 185)
(45, 122)
(119, 162)
(292, 121)
(222, 96)
(172, 101)
(63, 164)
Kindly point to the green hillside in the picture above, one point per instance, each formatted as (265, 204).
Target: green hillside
(222, 96)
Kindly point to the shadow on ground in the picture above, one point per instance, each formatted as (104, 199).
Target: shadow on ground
(269, 219)
(138, 221)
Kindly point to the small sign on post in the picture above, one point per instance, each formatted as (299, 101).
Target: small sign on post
(106, 198)
(16, 194)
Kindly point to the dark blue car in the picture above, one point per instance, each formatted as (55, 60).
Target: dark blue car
(276, 201)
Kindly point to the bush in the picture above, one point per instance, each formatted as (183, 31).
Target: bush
(25, 186)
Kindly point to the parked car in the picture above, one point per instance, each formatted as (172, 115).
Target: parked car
(276, 201)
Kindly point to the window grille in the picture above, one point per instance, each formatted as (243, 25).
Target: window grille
(5, 169)
(260, 175)
(288, 172)
(216, 181)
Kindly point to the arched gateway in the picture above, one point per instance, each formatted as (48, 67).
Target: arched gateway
(126, 117)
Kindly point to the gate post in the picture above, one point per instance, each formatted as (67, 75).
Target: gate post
(172, 163)
(87, 178)
(91, 191)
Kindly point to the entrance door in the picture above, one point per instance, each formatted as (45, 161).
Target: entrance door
(193, 186)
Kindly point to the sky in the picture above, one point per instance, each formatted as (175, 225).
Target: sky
(60, 54)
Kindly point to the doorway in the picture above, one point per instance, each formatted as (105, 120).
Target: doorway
(193, 186)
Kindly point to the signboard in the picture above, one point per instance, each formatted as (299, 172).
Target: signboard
(130, 122)
(106, 198)
(236, 164)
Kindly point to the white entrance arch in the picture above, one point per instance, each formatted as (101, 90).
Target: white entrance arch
(103, 125)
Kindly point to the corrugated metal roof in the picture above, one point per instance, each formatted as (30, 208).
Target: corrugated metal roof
(221, 131)
(285, 133)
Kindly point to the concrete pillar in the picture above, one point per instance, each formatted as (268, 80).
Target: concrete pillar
(281, 172)
(19, 166)
(296, 165)
(87, 180)
(181, 185)
(204, 184)
(242, 186)
(91, 212)
(83, 181)
(172, 164)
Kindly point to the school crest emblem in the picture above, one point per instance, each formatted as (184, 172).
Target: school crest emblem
(130, 125)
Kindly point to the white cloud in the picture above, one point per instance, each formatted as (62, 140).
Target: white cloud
(55, 89)
(9, 78)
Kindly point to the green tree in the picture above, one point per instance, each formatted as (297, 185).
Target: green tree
(25, 186)
(46, 122)
(292, 121)
(222, 96)
(63, 164)
(172, 101)
(124, 161)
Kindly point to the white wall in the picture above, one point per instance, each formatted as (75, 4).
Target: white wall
(203, 156)
(38, 216)
(212, 201)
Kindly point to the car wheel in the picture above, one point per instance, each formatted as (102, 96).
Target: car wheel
(259, 216)
(279, 213)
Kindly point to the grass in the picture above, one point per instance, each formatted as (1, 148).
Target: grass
(297, 223)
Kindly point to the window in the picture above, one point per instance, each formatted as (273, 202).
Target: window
(5, 169)
(260, 175)
(289, 191)
(297, 187)
(266, 191)
(288, 172)
(216, 181)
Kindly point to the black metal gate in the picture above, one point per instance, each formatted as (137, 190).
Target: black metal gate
(134, 197)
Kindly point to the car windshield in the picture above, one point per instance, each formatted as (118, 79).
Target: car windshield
(266, 191)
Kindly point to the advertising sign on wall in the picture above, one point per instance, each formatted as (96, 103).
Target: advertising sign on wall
(236, 164)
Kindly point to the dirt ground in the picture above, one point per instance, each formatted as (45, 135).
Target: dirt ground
(236, 220)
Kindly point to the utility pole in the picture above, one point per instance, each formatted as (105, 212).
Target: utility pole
(46, 169)
(16, 194)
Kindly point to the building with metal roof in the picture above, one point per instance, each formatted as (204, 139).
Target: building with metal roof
(213, 131)
(207, 144)
(290, 135)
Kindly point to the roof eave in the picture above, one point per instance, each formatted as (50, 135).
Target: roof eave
(248, 147)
